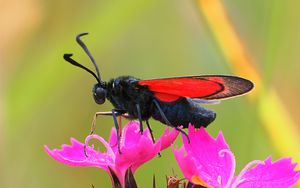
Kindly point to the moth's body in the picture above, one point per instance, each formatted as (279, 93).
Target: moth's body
(168, 100)
(125, 93)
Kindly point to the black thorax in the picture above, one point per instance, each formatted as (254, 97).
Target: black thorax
(124, 93)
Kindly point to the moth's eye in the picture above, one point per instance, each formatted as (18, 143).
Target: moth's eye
(99, 95)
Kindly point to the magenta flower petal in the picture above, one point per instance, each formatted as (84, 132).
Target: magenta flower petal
(213, 162)
(168, 138)
(278, 174)
(136, 148)
(73, 155)
(186, 162)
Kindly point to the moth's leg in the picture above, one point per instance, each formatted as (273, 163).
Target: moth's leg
(150, 130)
(114, 115)
(167, 121)
(119, 113)
(151, 133)
(95, 118)
(120, 124)
(138, 108)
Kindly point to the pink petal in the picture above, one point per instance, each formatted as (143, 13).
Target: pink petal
(73, 155)
(131, 135)
(131, 131)
(279, 174)
(186, 162)
(167, 138)
(139, 148)
(135, 156)
(113, 140)
(214, 161)
(136, 148)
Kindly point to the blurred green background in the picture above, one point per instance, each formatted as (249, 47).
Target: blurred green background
(45, 100)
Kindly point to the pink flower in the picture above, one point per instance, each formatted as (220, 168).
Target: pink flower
(136, 149)
(209, 162)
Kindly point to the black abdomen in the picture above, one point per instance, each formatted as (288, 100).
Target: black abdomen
(183, 112)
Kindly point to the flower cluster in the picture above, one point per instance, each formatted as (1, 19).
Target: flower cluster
(136, 149)
(210, 163)
(204, 161)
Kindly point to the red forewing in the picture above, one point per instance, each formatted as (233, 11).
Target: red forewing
(166, 97)
(207, 87)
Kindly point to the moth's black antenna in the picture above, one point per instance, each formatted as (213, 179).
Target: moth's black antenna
(85, 48)
(68, 58)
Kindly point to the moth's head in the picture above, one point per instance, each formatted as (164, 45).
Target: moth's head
(99, 93)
